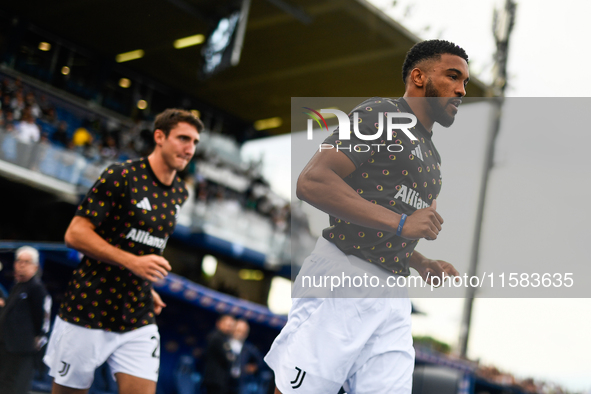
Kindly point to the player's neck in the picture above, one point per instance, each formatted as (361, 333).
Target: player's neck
(419, 109)
(163, 172)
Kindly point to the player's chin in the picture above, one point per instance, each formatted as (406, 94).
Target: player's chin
(181, 164)
(447, 119)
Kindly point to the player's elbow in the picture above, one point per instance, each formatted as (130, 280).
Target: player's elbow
(303, 187)
(69, 238)
(76, 233)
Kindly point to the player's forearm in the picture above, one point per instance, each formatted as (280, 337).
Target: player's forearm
(417, 260)
(327, 191)
(85, 240)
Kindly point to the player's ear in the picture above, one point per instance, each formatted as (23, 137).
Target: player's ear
(159, 136)
(418, 77)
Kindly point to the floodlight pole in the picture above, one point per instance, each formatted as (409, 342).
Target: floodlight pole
(503, 22)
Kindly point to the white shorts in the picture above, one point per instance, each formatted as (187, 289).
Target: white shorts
(363, 344)
(75, 352)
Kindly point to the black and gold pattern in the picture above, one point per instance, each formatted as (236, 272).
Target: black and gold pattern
(132, 211)
(401, 182)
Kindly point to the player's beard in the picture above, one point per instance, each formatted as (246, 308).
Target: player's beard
(438, 110)
(172, 162)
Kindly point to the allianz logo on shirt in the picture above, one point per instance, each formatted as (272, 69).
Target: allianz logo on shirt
(145, 238)
(411, 197)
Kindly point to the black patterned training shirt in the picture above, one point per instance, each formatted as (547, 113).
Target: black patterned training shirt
(399, 174)
(132, 210)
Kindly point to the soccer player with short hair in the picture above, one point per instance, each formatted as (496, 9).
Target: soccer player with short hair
(380, 203)
(122, 227)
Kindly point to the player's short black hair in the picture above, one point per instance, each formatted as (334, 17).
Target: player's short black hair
(427, 50)
(169, 118)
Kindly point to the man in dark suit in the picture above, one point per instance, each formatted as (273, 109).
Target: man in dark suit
(24, 321)
(219, 357)
(247, 363)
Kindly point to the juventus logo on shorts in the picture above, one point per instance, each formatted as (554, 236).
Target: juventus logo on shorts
(65, 369)
(297, 382)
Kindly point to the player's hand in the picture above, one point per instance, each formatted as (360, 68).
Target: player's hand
(150, 267)
(423, 223)
(430, 268)
(158, 303)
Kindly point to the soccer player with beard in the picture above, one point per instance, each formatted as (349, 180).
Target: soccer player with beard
(380, 203)
(122, 227)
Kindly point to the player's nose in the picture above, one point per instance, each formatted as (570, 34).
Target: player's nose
(460, 90)
(190, 151)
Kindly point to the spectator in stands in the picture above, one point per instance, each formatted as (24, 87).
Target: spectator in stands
(247, 362)
(109, 150)
(8, 87)
(81, 137)
(8, 121)
(60, 136)
(201, 189)
(82, 140)
(50, 116)
(6, 102)
(27, 130)
(44, 139)
(24, 322)
(219, 357)
(528, 385)
(265, 205)
(18, 84)
(31, 102)
(47, 109)
(91, 152)
(17, 105)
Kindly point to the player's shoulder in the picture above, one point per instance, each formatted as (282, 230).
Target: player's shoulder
(125, 167)
(377, 104)
(180, 184)
(134, 164)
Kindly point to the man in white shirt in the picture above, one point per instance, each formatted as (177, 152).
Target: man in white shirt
(27, 130)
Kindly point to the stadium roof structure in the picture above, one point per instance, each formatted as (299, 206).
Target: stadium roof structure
(292, 48)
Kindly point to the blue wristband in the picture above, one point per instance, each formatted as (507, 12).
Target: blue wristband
(401, 224)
